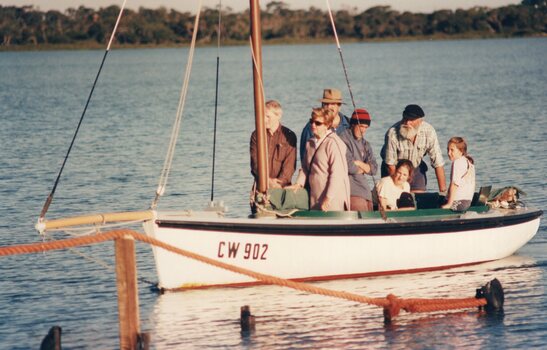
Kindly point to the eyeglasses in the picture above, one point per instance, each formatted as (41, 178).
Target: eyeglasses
(316, 123)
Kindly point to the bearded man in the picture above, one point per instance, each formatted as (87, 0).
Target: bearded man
(412, 138)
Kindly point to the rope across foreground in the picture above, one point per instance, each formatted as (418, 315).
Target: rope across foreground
(392, 304)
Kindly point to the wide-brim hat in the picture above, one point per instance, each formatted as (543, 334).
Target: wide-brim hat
(413, 112)
(331, 96)
(360, 116)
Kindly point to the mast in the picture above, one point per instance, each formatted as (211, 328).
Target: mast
(256, 46)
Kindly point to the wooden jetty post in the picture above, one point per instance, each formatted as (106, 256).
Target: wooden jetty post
(52, 341)
(128, 296)
(247, 321)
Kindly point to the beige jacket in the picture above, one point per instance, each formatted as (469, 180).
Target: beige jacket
(326, 171)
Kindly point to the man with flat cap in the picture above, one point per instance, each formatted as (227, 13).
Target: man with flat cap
(332, 100)
(412, 138)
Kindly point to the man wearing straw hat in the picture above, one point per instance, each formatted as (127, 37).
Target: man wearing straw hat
(332, 100)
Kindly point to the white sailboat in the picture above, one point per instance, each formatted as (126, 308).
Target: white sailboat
(310, 245)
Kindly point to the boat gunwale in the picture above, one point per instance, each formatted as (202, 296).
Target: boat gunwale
(350, 227)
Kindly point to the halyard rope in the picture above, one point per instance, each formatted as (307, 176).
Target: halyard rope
(216, 103)
(52, 193)
(93, 259)
(340, 52)
(380, 209)
(391, 304)
(176, 126)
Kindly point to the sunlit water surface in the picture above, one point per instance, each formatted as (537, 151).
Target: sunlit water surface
(493, 92)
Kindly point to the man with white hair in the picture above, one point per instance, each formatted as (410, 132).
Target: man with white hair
(412, 138)
(281, 142)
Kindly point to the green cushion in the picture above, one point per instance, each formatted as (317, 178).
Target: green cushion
(281, 199)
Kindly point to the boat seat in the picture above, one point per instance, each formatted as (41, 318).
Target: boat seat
(480, 198)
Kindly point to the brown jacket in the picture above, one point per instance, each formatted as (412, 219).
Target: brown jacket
(281, 155)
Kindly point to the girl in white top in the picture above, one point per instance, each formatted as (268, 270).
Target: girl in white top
(462, 177)
(389, 188)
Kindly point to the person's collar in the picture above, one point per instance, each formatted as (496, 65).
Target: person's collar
(339, 121)
(330, 131)
(271, 132)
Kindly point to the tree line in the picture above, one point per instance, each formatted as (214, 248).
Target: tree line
(84, 26)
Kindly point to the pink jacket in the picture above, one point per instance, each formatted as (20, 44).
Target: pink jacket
(327, 174)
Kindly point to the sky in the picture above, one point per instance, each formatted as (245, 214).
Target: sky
(426, 6)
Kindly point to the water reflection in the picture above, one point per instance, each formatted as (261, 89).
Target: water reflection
(288, 318)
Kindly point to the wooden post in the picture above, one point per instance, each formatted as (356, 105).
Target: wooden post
(247, 321)
(128, 296)
(52, 340)
(261, 138)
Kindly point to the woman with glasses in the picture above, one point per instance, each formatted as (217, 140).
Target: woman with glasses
(324, 169)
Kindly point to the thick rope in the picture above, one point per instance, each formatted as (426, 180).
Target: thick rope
(391, 304)
(56, 183)
(178, 120)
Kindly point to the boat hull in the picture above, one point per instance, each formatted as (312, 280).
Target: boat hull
(321, 249)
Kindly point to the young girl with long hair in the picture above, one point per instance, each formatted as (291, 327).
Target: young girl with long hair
(462, 177)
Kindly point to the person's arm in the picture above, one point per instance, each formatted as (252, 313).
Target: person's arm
(300, 181)
(390, 146)
(441, 179)
(437, 161)
(325, 204)
(383, 203)
(304, 137)
(353, 167)
(335, 154)
(370, 160)
(253, 154)
(288, 165)
(364, 168)
(450, 196)
(390, 169)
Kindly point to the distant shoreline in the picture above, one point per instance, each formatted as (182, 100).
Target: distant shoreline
(27, 28)
(99, 46)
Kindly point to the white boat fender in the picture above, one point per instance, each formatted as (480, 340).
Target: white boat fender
(40, 227)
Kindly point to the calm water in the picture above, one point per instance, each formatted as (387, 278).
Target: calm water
(493, 92)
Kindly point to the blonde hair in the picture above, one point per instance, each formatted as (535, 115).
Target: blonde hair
(322, 112)
(461, 145)
(275, 107)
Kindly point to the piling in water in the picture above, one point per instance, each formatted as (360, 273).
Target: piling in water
(247, 321)
(52, 341)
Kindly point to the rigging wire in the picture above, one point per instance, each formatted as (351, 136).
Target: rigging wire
(176, 127)
(52, 193)
(96, 260)
(341, 56)
(382, 211)
(216, 103)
